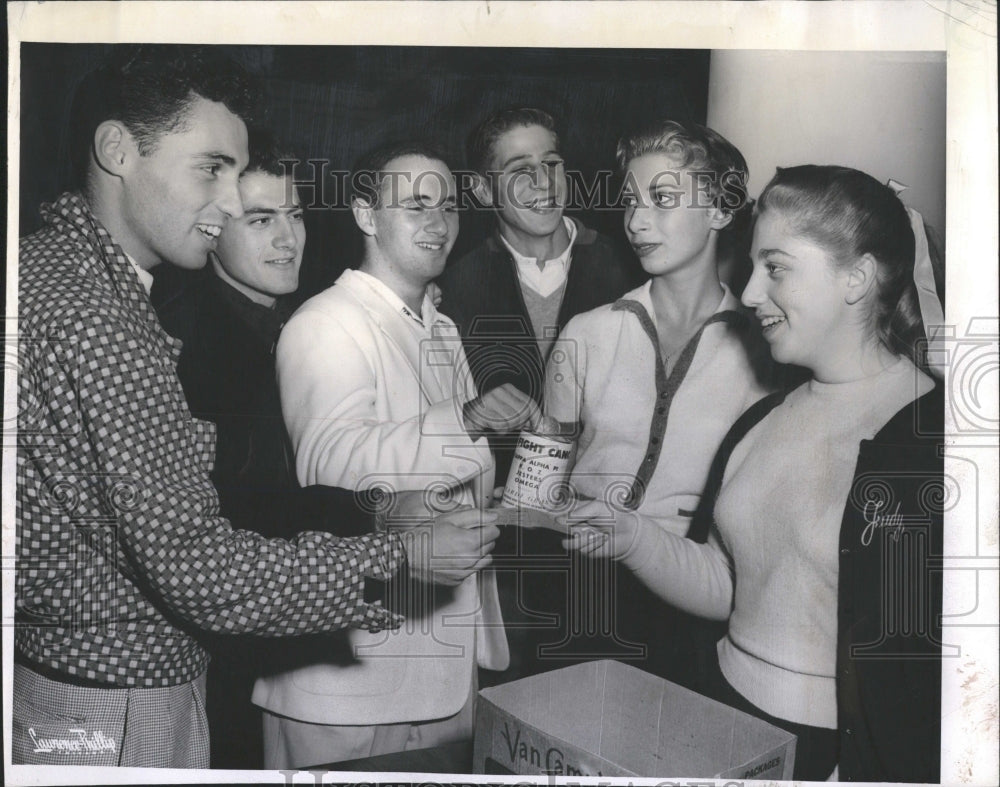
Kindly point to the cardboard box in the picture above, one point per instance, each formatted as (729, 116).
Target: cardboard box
(604, 718)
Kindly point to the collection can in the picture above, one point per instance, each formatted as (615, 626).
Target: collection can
(539, 472)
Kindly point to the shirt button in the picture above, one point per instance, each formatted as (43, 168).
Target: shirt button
(661, 410)
(650, 458)
(663, 395)
(654, 440)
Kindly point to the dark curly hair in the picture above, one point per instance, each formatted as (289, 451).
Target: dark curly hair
(268, 154)
(150, 88)
(371, 167)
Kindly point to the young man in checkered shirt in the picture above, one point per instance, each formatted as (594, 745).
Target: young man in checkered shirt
(122, 557)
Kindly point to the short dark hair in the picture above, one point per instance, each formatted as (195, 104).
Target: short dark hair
(150, 88)
(483, 139)
(371, 167)
(268, 154)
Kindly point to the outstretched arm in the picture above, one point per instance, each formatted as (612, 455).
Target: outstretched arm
(695, 578)
(144, 473)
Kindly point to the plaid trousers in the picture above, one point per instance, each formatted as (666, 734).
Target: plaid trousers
(61, 724)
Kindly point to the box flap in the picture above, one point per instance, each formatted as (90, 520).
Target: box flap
(646, 725)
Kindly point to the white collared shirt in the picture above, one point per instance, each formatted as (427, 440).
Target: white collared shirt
(145, 277)
(552, 275)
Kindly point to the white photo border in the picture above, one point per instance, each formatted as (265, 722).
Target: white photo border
(965, 31)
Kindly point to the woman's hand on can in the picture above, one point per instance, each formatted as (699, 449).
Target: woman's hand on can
(600, 531)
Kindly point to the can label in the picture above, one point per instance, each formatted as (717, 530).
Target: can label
(539, 472)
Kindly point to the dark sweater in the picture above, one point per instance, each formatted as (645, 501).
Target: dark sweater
(889, 593)
(482, 294)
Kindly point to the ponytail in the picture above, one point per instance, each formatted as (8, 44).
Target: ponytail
(902, 330)
(851, 214)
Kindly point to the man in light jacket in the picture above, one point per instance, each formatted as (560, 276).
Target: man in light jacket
(377, 396)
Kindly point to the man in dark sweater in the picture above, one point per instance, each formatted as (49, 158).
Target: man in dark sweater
(228, 319)
(511, 296)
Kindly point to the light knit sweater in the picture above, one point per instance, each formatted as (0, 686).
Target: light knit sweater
(606, 379)
(778, 516)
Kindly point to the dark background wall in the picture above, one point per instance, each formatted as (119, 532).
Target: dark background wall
(333, 102)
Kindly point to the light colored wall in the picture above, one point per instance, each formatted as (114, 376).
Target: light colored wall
(883, 113)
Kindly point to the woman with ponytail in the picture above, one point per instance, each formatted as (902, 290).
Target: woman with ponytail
(823, 509)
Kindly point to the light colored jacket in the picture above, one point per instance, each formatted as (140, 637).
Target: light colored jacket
(372, 399)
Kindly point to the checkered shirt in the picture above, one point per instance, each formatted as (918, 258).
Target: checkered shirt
(121, 554)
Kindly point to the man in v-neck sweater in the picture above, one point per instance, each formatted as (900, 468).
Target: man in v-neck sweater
(511, 296)
(543, 286)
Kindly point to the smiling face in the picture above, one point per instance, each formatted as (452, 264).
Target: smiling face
(668, 216)
(260, 253)
(799, 295)
(416, 222)
(530, 190)
(175, 200)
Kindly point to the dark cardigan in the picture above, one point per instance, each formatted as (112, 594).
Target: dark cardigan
(482, 294)
(889, 593)
(226, 366)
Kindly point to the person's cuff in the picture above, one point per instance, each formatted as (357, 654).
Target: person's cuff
(446, 421)
(388, 555)
(643, 546)
(375, 618)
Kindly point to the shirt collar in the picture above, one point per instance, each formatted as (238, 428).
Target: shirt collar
(641, 294)
(145, 277)
(555, 272)
(429, 315)
(71, 215)
(265, 321)
(561, 260)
